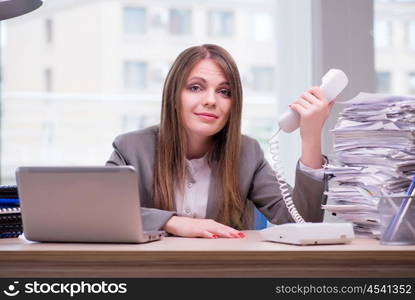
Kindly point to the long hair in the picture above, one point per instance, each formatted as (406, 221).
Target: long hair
(170, 164)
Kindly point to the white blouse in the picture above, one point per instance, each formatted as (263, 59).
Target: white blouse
(193, 202)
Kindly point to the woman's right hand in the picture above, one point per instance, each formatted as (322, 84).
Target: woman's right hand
(207, 228)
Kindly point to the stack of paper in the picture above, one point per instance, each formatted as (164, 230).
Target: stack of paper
(374, 149)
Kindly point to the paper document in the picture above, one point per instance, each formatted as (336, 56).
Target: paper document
(374, 156)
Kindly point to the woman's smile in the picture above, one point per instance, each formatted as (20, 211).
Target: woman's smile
(207, 116)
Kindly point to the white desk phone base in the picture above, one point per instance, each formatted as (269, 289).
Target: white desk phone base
(309, 233)
(302, 233)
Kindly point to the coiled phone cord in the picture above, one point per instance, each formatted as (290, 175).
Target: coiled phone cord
(279, 174)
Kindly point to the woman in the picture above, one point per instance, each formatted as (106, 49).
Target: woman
(198, 176)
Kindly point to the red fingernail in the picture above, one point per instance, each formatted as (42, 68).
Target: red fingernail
(241, 235)
(215, 236)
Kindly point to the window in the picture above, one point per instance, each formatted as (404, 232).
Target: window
(393, 75)
(411, 82)
(410, 34)
(159, 18)
(221, 23)
(48, 131)
(180, 21)
(48, 80)
(383, 82)
(134, 20)
(85, 91)
(133, 122)
(263, 79)
(383, 34)
(261, 129)
(261, 26)
(135, 74)
(159, 73)
(49, 30)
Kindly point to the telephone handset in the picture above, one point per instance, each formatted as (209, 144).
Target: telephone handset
(332, 84)
(302, 233)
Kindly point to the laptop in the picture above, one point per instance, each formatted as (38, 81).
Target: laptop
(81, 204)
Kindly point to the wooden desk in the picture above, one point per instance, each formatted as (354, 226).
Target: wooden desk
(185, 257)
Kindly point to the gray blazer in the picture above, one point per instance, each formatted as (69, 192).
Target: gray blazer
(257, 181)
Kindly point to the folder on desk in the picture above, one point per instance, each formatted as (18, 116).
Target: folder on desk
(9, 202)
(10, 222)
(10, 217)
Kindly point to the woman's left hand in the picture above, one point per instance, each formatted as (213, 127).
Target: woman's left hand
(314, 109)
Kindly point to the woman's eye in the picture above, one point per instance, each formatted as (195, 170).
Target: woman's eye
(225, 92)
(194, 88)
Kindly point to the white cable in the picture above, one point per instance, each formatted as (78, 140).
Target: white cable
(279, 174)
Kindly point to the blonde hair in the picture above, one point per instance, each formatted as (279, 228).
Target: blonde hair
(170, 164)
